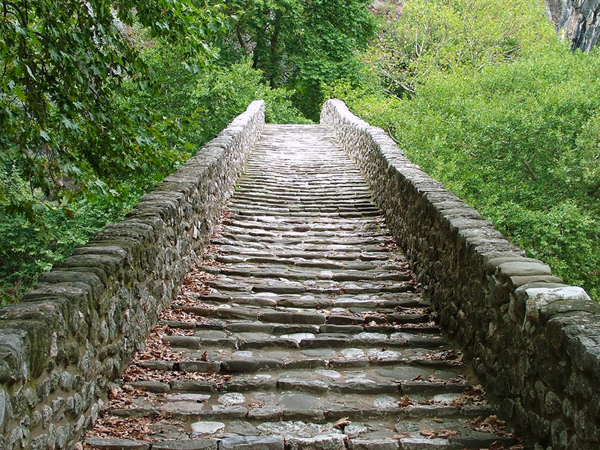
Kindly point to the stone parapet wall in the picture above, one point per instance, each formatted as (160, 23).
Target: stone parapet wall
(80, 326)
(533, 340)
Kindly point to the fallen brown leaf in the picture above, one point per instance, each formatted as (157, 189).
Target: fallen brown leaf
(444, 434)
(428, 432)
(406, 401)
(342, 423)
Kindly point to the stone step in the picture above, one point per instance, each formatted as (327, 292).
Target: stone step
(270, 313)
(296, 406)
(303, 226)
(247, 211)
(276, 286)
(282, 206)
(261, 223)
(304, 240)
(304, 232)
(322, 191)
(425, 362)
(280, 177)
(372, 322)
(347, 261)
(313, 181)
(310, 271)
(297, 435)
(205, 339)
(416, 381)
(415, 327)
(303, 250)
(341, 200)
(400, 303)
(303, 196)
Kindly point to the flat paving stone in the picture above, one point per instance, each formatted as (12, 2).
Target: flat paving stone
(374, 444)
(193, 444)
(234, 398)
(205, 428)
(325, 442)
(187, 397)
(252, 443)
(297, 402)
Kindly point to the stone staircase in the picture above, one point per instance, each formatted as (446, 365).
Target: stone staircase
(301, 328)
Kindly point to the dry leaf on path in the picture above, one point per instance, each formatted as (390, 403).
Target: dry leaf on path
(406, 401)
(342, 423)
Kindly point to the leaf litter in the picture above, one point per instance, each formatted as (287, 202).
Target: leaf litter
(452, 357)
(173, 321)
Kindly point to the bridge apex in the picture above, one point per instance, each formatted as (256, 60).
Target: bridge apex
(534, 340)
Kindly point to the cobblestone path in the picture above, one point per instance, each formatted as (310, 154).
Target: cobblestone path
(301, 328)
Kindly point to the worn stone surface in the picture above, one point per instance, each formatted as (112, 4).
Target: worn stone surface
(306, 321)
(253, 443)
(533, 340)
(193, 444)
(205, 428)
(118, 444)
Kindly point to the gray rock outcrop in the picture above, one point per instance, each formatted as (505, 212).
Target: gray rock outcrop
(577, 20)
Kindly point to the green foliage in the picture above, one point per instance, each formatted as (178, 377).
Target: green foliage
(195, 105)
(187, 108)
(222, 93)
(28, 248)
(565, 236)
(517, 138)
(298, 44)
(425, 37)
(62, 63)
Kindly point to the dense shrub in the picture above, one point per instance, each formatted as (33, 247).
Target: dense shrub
(518, 140)
(30, 247)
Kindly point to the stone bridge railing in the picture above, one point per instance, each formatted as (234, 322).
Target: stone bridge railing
(81, 325)
(535, 341)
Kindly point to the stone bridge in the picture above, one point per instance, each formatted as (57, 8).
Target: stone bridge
(303, 314)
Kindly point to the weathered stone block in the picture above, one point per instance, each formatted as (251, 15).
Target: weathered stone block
(325, 442)
(374, 444)
(117, 444)
(194, 444)
(523, 268)
(536, 298)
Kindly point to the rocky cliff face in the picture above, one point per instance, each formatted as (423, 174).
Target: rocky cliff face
(578, 20)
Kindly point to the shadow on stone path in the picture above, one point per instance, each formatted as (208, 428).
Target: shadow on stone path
(301, 328)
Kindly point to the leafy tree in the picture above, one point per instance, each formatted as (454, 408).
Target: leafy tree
(516, 135)
(186, 108)
(298, 44)
(192, 106)
(424, 37)
(62, 63)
